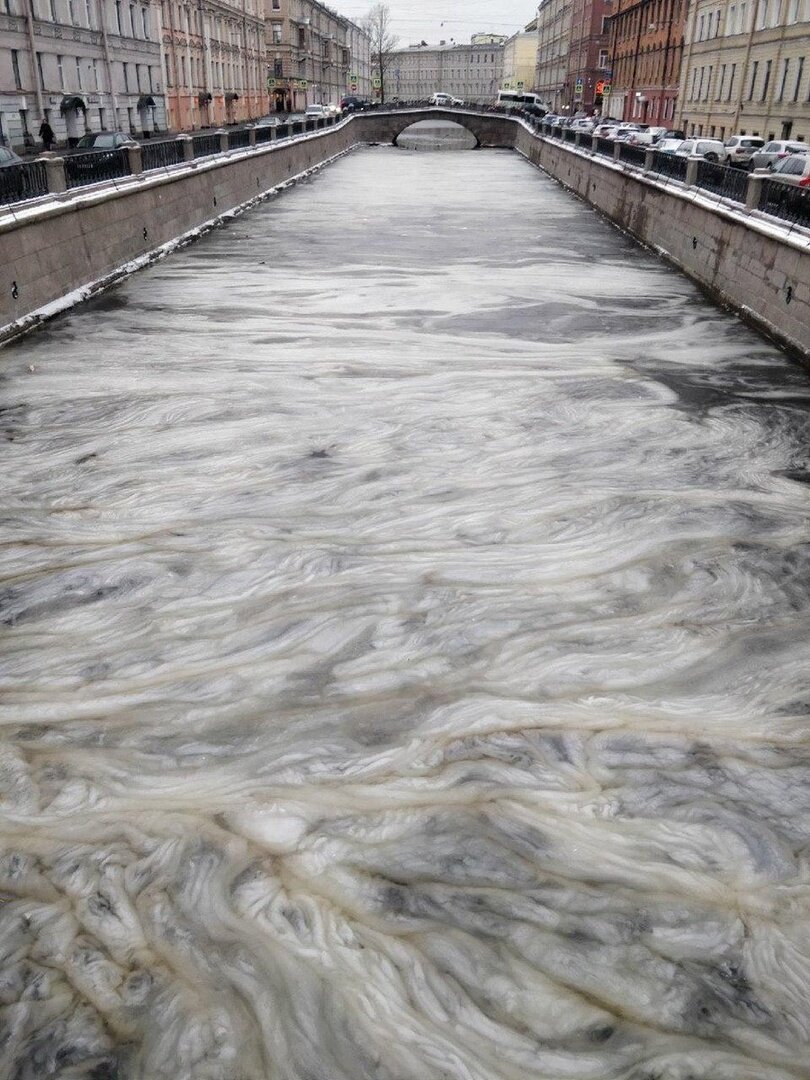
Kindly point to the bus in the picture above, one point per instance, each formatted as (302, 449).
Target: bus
(519, 98)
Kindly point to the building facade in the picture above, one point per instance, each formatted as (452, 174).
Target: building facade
(313, 55)
(471, 72)
(520, 59)
(746, 69)
(589, 55)
(553, 45)
(82, 65)
(214, 61)
(646, 50)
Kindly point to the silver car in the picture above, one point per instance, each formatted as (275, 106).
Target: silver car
(772, 152)
(741, 148)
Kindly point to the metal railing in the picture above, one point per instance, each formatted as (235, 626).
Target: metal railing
(283, 131)
(669, 165)
(604, 146)
(786, 202)
(569, 135)
(238, 138)
(635, 155)
(731, 183)
(205, 145)
(92, 168)
(264, 134)
(160, 155)
(25, 181)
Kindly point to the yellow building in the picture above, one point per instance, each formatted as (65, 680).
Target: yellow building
(746, 69)
(520, 59)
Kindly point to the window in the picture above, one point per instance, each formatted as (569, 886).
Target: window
(276, 5)
(754, 70)
(79, 73)
(60, 68)
(126, 75)
(118, 16)
(15, 67)
(39, 70)
(732, 20)
(767, 81)
(785, 68)
(72, 12)
(145, 22)
(602, 62)
(132, 20)
(731, 82)
(54, 17)
(278, 68)
(276, 33)
(722, 85)
(88, 13)
(717, 23)
(708, 82)
(95, 75)
(762, 21)
(799, 74)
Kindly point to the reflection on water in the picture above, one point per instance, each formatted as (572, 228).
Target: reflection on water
(436, 135)
(405, 651)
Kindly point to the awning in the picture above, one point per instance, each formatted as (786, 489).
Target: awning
(232, 96)
(72, 103)
(146, 102)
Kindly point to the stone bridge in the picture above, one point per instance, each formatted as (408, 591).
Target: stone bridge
(386, 125)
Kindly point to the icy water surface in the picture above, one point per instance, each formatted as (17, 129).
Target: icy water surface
(405, 656)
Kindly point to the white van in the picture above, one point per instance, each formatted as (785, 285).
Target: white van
(442, 99)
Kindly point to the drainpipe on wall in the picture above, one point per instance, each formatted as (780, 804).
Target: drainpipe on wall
(38, 88)
(105, 44)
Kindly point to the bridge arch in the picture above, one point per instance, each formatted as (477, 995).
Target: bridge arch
(448, 119)
(488, 129)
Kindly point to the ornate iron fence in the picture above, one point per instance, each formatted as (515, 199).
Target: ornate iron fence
(635, 155)
(159, 155)
(604, 146)
(24, 181)
(731, 183)
(204, 145)
(786, 201)
(669, 165)
(93, 167)
(238, 138)
(264, 134)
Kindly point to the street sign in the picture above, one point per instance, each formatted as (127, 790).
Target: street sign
(302, 84)
(578, 86)
(353, 77)
(376, 83)
(600, 87)
(520, 85)
(605, 89)
(353, 87)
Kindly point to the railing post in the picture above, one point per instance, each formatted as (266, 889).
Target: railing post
(54, 173)
(223, 142)
(188, 147)
(135, 159)
(753, 190)
(577, 138)
(251, 136)
(691, 177)
(617, 150)
(649, 159)
(594, 143)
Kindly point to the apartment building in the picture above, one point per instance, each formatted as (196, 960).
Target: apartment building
(746, 69)
(520, 59)
(646, 51)
(588, 56)
(314, 55)
(214, 61)
(553, 46)
(471, 72)
(82, 65)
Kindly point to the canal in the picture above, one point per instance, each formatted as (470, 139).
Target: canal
(405, 640)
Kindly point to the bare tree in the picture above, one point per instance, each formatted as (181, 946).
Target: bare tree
(377, 25)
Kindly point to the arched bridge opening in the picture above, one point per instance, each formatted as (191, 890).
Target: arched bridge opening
(437, 134)
(386, 125)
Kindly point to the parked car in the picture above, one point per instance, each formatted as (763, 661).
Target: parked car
(793, 170)
(353, 104)
(315, 112)
(457, 101)
(105, 140)
(648, 137)
(332, 109)
(772, 152)
(441, 99)
(741, 148)
(667, 146)
(708, 149)
(673, 133)
(8, 157)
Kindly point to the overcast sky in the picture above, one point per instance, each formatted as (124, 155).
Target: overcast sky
(432, 20)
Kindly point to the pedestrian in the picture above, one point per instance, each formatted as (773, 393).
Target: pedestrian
(47, 135)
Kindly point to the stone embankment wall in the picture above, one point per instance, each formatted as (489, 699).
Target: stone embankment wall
(757, 265)
(88, 237)
(58, 249)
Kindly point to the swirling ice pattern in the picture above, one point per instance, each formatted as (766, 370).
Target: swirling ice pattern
(405, 651)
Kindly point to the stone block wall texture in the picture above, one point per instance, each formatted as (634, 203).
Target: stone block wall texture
(758, 273)
(64, 247)
(59, 248)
